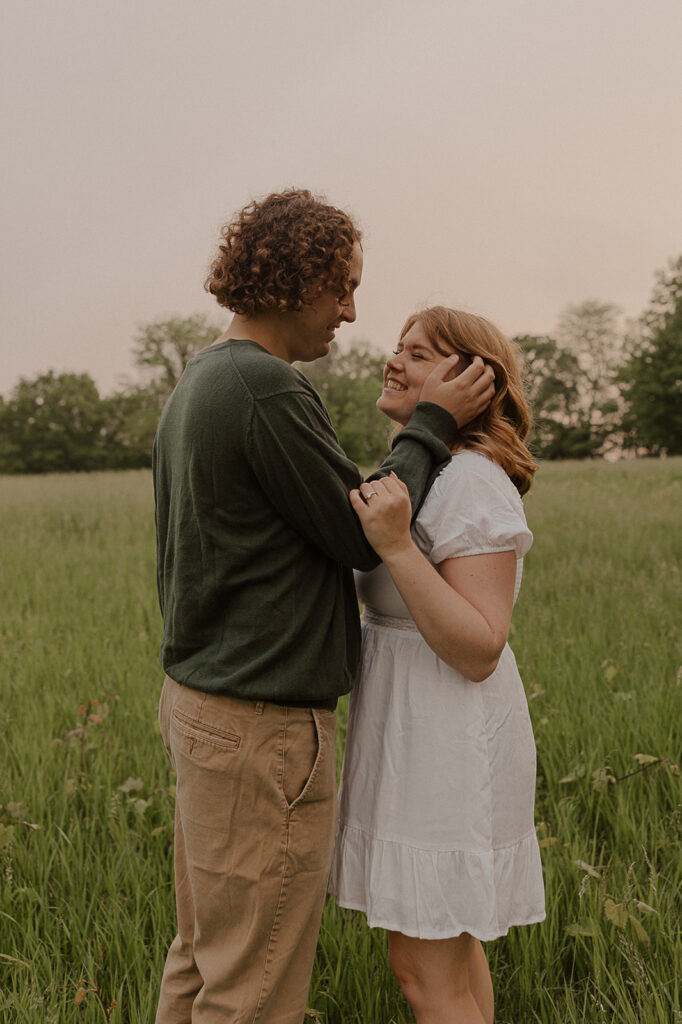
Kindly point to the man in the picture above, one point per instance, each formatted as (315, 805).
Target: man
(256, 540)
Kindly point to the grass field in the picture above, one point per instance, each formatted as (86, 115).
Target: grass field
(86, 793)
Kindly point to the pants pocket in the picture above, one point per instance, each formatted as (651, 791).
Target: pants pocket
(203, 743)
(300, 755)
(164, 714)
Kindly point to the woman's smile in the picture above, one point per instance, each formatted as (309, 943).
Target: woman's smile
(405, 373)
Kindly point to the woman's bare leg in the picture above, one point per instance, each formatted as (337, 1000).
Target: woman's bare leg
(436, 977)
(480, 982)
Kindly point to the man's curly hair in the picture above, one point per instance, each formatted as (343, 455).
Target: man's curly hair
(280, 252)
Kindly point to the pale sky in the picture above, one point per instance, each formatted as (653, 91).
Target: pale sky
(505, 156)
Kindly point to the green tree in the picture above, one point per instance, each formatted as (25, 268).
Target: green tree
(349, 383)
(162, 348)
(8, 447)
(651, 379)
(166, 346)
(591, 332)
(551, 375)
(132, 416)
(54, 423)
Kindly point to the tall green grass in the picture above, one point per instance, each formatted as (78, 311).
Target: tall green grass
(86, 904)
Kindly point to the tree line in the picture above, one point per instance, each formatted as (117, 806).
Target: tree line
(594, 388)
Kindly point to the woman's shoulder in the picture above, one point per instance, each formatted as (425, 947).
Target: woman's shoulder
(472, 470)
(472, 508)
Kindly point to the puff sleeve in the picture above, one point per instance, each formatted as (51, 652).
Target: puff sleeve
(473, 508)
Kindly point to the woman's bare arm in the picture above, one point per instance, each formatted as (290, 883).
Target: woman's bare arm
(462, 609)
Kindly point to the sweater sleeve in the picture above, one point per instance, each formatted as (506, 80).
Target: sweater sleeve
(307, 476)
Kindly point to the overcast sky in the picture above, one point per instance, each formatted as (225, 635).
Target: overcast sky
(506, 156)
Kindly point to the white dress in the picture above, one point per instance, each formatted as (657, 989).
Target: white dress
(436, 833)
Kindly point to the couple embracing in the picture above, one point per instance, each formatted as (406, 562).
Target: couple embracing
(261, 519)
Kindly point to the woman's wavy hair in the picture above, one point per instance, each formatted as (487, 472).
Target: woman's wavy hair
(500, 431)
(280, 252)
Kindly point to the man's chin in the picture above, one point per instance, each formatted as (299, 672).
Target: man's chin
(319, 352)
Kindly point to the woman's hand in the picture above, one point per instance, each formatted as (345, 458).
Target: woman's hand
(384, 509)
(462, 608)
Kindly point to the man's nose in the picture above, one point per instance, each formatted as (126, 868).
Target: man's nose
(349, 314)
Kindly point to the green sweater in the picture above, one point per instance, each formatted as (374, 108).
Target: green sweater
(256, 536)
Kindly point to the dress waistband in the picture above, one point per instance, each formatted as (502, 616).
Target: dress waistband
(390, 621)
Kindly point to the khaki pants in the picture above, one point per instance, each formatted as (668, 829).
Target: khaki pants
(254, 823)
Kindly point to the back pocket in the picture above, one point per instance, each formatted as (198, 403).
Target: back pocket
(195, 735)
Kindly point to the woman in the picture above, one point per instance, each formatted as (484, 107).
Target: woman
(436, 841)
